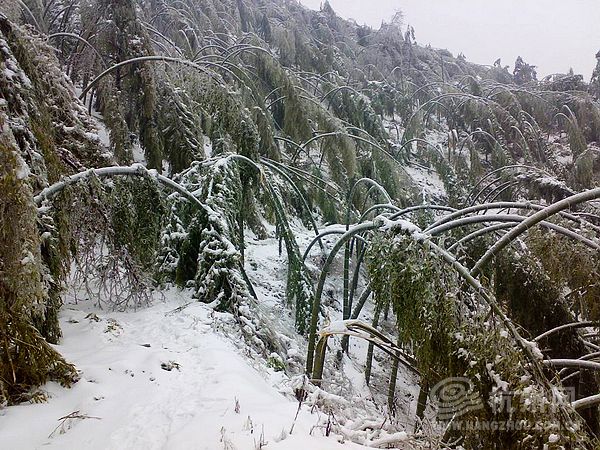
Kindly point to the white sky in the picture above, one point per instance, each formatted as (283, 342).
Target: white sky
(554, 35)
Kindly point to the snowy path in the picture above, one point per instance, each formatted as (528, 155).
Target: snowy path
(125, 400)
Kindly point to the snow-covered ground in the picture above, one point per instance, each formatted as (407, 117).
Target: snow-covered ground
(178, 375)
(211, 398)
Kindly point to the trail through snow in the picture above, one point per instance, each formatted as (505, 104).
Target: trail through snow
(125, 400)
(178, 375)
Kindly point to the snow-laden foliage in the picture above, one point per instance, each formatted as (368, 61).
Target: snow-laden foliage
(452, 335)
(201, 245)
(201, 248)
(265, 114)
(26, 357)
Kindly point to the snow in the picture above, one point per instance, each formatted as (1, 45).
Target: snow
(205, 396)
(103, 134)
(9, 73)
(138, 153)
(550, 182)
(336, 327)
(28, 259)
(399, 224)
(535, 350)
(22, 170)
(208, 151)
(428, 181)
(174, 374)
(402, 225)
(392, 438)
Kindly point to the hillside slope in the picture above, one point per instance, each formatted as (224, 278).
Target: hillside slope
(373, 217)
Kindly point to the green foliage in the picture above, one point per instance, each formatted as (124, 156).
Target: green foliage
(580, 275)
(114, 119)
(524, 73)
(299, 289)
(339, 151)
(181, 129)
(537, 308)
(137, 210)
(110, 231)
(40, 103)
(230, 126)
(290, 114)
(26, 359)
(584, 169)
(56, 247)
(423, 295)
(45, 134)
(275, 362)
(576, 138)
(453, 336)
(202, 247)
(207, 250)
(128, 98)
(329, 207)
(510, 394)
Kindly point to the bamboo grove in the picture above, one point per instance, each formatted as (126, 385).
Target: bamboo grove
(249, 112)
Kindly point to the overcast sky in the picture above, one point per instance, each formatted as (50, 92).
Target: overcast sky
(554, 35)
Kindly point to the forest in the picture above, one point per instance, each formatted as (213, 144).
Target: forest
(403, 243)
